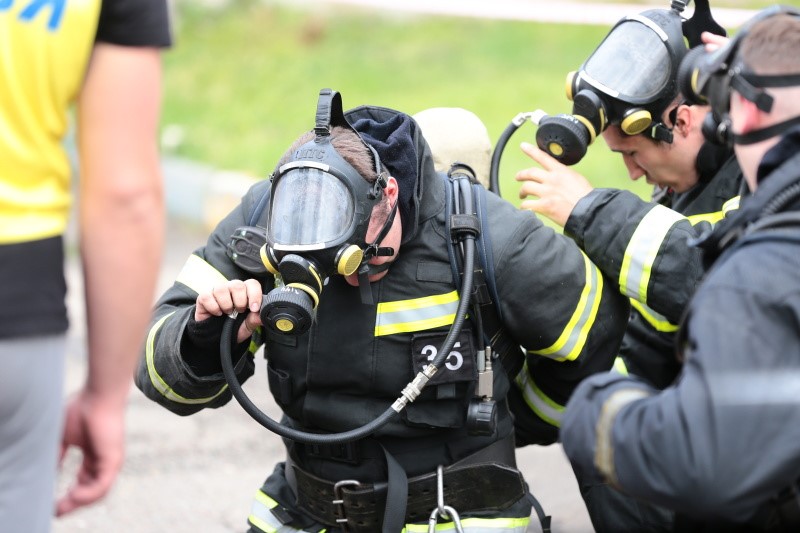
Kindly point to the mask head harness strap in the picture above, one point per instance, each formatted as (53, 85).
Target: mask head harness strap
(718, 73)
(692, 28)
(329, 112)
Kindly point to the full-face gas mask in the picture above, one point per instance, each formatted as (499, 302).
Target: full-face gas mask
(319, 212)
(709, 78)
(629, 81)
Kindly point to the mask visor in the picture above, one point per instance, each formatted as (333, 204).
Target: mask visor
(311, 209)
(632, 64)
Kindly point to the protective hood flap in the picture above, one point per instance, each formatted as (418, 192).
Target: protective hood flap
(404, 152)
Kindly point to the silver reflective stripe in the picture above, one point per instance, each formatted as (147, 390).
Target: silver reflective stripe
(541, 404)
(261, 516)
(418, 314)
(659, 322)
(731, 205)
(604, 445)
(155, 378)
(475, 525)
(642, 250)
(199, 275)
(570, 343)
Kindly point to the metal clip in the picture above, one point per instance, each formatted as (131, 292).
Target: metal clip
(338, 501)
(445, 511)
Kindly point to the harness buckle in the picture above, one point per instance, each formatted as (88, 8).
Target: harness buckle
(338, 500)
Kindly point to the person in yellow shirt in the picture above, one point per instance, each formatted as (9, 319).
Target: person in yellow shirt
(104, 56)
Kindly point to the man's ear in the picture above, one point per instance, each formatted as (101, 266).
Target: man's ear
(392, 188)
(686, 118)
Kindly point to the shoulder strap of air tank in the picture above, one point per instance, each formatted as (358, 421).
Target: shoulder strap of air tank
(484, 287)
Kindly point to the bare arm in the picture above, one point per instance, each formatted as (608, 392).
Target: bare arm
(121, 239)
(558, 187)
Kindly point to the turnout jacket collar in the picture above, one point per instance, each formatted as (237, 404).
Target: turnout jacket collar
(779, 170)
(406, 155)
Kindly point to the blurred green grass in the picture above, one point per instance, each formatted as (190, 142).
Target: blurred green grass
(242, 80)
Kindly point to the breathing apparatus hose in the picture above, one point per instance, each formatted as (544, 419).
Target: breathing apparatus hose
(516, 122)
(408, 394)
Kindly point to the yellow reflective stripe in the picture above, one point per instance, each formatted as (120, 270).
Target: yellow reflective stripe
(260, 515)
(711, 218)
(716, 216)
(659, 322)
(158, 382)
(418, 314)
(604, 446)
(642, 250)
(476, 525)
(620, 367)
(544, 407)
(570, 343)
(262, 518)
(199, 275)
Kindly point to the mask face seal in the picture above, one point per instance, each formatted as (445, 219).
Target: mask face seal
(319, 213)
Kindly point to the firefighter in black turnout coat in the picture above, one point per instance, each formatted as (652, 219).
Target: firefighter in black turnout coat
(720, 446)
(353, 359)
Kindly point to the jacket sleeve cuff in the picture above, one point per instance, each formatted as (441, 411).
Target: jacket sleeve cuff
(575, 228)
(200, 345)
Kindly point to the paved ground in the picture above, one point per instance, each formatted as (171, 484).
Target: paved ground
(197, 474)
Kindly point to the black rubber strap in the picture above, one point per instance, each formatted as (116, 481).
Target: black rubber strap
(394, 515)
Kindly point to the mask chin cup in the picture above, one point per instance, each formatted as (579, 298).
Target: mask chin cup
(348, 259)
(635, 121)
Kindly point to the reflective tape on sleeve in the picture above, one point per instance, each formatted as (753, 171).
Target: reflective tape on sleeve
(731, 205)
(199, 275)
(570, 343)
(418, 314)
(157, 381)
(658, 321)
(604, 445)
(716, 216)
(642, 250)
(619, 366)
(544, 407)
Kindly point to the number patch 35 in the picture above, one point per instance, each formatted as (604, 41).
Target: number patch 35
(459, 364)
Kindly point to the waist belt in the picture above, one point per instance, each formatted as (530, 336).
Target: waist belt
(359, 507)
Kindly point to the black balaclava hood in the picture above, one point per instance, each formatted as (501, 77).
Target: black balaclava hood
(394, 142)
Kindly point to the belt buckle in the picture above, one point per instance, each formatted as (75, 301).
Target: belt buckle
(338, 500)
